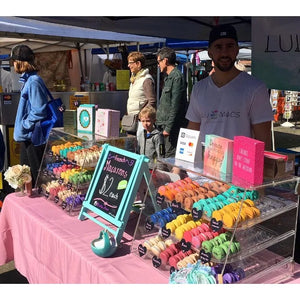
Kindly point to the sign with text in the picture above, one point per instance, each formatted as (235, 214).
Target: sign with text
(276, 51)
(112, 183)
(189, 147)
(113, 188)
(75, 101)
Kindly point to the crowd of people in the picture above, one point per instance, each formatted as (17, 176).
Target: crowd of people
(227, 102)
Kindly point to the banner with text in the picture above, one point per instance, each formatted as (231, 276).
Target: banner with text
(276, 51)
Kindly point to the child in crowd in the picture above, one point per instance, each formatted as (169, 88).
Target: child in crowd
(150, 141)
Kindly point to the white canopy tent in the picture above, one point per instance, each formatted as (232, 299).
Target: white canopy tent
(45, 37)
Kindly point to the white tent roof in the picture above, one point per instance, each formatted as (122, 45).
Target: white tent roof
(44, 36)
(243, 54)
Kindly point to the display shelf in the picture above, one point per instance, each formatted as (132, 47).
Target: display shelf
(68, 166)
(251, 247)
(269, 206)
(271, 232)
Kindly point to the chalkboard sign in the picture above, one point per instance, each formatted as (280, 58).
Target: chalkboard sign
(113, 182)
(114, 186)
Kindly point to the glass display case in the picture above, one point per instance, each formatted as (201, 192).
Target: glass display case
(68, 165)
(211, 231)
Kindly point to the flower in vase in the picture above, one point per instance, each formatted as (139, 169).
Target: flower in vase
(17, 176)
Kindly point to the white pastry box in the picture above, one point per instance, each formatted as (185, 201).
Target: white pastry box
(86, 118)
(107, 122)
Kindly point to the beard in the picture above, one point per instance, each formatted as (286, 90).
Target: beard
(224, 67)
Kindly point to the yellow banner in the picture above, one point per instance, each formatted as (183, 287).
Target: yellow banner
(122, 79)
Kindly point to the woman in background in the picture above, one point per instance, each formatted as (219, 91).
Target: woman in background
(32, 108)
(142, 87)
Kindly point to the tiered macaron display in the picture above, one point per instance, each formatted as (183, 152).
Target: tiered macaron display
(73, 166)
(187, 191)
(236, 213)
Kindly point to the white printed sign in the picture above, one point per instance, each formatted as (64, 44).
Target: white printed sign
(189, 147)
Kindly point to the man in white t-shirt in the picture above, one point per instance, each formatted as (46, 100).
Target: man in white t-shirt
(229, 102)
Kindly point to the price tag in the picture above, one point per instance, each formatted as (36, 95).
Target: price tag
(142, 250)
(196, 214)
(185, 246)
(149, 225)
(165, 232)
(205, 257)
(176, 206)
(156, 261)
(216, 225)
(160, 199)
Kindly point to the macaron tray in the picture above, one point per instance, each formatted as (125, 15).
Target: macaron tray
(68, 170)
(225, 205)
(208, 223)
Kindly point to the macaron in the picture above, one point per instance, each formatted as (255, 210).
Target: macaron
(256, 211)
(207, 246)
(171, 226)
(188, 203)
(196, 241)
(229, 220)
(218, 252)
(192, 224)
(205, 227)
(155, 250)
(218, 215)
(188, 236)
(168, 242)
(173, 260)
(179, 233)
(161, 245)
(209, 235)
(162, 190)
(148, 245)
(164, 256)
(249, 202)
(179, 197)
(207, 210)
(170, 251)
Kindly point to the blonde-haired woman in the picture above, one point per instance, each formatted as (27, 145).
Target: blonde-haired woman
(142, 86)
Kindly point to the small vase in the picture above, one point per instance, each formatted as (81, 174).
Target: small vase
(20, 192)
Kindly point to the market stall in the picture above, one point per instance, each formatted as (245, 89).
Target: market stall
(184, 232)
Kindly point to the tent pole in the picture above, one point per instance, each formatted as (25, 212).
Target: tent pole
(80, 62)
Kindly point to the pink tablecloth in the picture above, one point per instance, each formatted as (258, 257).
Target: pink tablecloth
(49, 246)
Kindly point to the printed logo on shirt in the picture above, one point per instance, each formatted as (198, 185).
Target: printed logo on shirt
(219, 114)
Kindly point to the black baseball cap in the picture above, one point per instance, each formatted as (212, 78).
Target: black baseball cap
(222, 31)
(22, 53)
